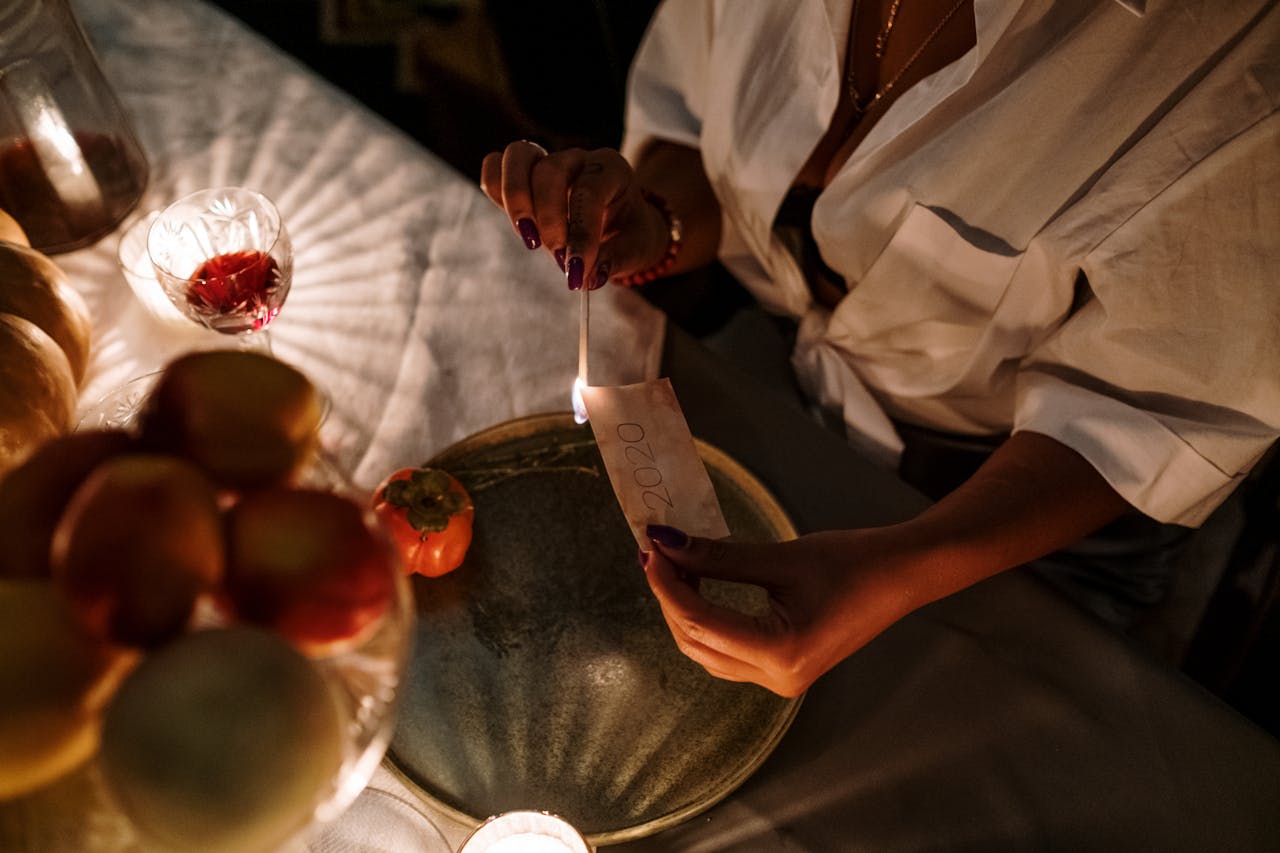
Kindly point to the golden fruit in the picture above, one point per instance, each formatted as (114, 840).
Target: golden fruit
(34, 287)
(53, 684)
(10, 230)
(37, 390)
(139, 543)
(248, 420)
(224, 740)
(34, 495)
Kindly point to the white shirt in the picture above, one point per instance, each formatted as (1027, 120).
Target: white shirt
(1135, 144)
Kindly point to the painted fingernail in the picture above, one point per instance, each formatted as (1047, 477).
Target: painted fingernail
(529, 233)
(643, 558)
(574, 271)
(672, 537)
(559, 253)
(602, 276)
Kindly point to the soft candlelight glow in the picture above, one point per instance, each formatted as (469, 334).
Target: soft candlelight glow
(525, 832)
(579, 407)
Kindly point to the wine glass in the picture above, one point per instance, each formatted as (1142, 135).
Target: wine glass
(224, 258)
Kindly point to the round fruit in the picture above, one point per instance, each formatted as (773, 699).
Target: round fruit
(223, 740)
(37, 390)
(139, 543)
(429, 516)
(34, 287)
(10, 230)
(53, 683)
(246, 419)
(305, 564)
(34, 495)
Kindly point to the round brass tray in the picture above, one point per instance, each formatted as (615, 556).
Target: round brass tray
(543, 676)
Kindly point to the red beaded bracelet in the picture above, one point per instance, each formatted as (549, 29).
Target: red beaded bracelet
(668, 259)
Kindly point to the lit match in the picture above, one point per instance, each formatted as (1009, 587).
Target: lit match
(584, 316)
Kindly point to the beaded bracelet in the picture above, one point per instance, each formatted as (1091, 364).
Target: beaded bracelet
(668, 259)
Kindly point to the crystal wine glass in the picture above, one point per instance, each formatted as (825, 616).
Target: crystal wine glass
(223, 257)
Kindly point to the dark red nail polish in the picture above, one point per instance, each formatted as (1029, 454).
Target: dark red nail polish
(672, 537)
(559, 253)
(602, 276)
(574, 271)
(529, 233)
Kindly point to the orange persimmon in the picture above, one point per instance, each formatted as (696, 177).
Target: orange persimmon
(428, 515)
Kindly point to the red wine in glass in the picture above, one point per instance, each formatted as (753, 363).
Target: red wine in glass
(237, 291)
(223, 257)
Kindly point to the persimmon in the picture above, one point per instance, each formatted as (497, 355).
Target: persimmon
(428, 514)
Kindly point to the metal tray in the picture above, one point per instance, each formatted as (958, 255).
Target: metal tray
(543, 676)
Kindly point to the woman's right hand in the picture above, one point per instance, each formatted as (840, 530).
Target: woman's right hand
(584, 207)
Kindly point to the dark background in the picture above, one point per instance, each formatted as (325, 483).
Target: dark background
(465, 77)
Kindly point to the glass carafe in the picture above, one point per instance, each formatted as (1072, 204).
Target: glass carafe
(70, 165)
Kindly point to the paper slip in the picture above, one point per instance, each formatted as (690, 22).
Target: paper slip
(652, 461)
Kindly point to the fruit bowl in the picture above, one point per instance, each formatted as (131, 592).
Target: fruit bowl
(262, 711)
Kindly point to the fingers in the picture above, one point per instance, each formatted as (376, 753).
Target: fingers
(491, 177)
(518, 161)
(698, 626)
(719, 629)
(757, 564)
(584, 207)
(602, 181)
(549, 184)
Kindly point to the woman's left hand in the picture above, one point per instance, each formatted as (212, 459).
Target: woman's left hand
(830, 593)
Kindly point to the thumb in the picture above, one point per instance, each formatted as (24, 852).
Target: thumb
(754, 563)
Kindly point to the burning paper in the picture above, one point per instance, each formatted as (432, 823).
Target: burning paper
(652, 461)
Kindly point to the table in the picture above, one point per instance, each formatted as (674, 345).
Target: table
(998, 719)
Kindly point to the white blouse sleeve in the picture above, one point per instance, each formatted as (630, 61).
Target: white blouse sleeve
(1167, 377)
(667, 82)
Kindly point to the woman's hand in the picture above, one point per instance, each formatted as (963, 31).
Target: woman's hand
(829, 594)
(584, 207)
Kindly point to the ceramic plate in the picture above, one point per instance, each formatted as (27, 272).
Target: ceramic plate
(543, 676)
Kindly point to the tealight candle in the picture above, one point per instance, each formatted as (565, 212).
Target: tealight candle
(525, 832)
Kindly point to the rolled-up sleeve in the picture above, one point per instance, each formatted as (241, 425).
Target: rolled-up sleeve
(1167, 377)
(667, 82)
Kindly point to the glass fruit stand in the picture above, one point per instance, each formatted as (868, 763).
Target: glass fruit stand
(265, 714)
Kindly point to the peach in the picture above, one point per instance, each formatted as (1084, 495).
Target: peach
(246, 419)
(223, 740)
(53, 684)
(306, 564)
(33, 496)
(140, 541)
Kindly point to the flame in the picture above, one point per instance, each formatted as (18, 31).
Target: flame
(579, 407)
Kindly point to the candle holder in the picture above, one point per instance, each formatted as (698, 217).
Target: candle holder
(525, 832)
